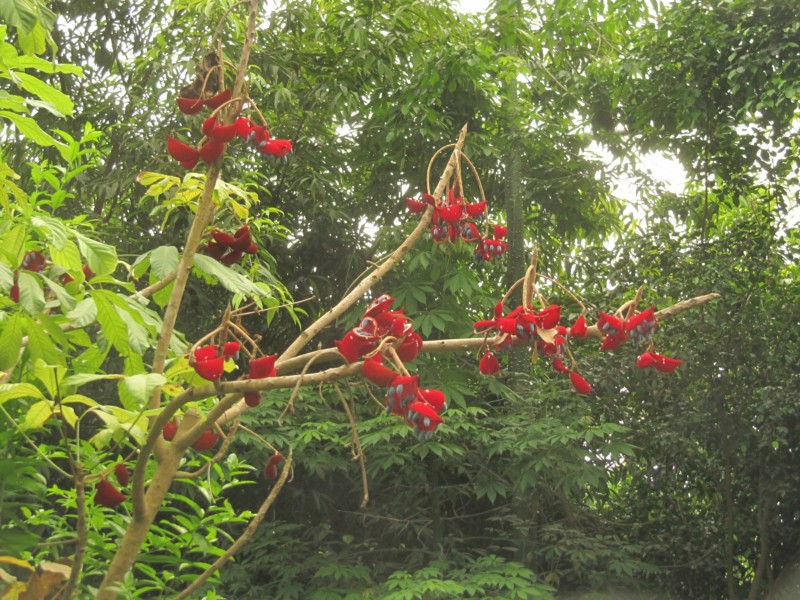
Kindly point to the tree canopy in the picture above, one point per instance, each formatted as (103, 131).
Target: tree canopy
(233, 237)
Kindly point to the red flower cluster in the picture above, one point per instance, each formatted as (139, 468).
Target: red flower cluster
(209, 361)
(229, 248)
(452, 220)
(639, 327)
(218, 135)
(377, 323)
(524, 324)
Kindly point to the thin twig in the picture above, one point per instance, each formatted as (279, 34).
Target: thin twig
(358, 452)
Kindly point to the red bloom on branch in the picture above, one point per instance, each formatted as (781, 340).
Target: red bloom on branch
(579, 329)
(208, 364)
(252, 399)
(183, 153)
(276, 148)
(33, 261)
(662, 363)
(374, 370)
(271, 468)
(211, 151)
(489, 365)
(220, 99)
(206, 441)
(169, 430)
(579, 383)
(190, 106)
(107, 495)
(263, 367)
(559, 366)
(231, 350)
(122, 474)
(500, 231)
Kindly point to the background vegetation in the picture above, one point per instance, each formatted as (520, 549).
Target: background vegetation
(686, 484)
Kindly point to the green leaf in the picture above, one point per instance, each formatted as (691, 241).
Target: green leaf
(31, 295)
(61, 104)
(30, 129)
(111, 323)
(164, 260)
(12, 391)
(11, 341)
(19, 13)
(40, 346)
(230, 279)
(135, 391)
(13, 246)
(102, 258)
(84, 313)
(68, 257)
(37, 415)
(50, 375)
(80, 379)
(78, 399)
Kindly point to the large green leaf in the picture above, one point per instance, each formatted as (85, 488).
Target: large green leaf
(111, 323)
(12, 391)
(30, 129)
(164, 260)
(230, 279)
(135, 391)
(11, 341)
(60, 104)
(84, 313)
(19, 13)
(31, 295)
(102, 258)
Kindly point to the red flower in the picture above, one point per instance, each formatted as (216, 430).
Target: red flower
(121, 472)
(374, 370)
(665, 364)
(252, 399)
(276, 148)
(33, 261)
(612, 342)
(500, 231)
(645, 360)
(489, 365)
(263, 367)
(170, 429)
(469, 232)
(206, 441)
(231, 349)
(579, 329)
(211, 151)
(107, 495)
(579, 383)
(180, 151)
(231, 258)
(271, 468)
(475, 209)
(642, 325)
(410, 347)
(241, 239)
(415, 206)
(218, 100)
(252, 249)
(353, 346)
(610, 324)
(381, 304)
(435, 398)
(207, 364)
(451, 213)
(548, 317)
(401, 392)
(190, 106)
(423, 417)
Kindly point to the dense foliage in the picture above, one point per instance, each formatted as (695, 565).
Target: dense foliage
(682, 483)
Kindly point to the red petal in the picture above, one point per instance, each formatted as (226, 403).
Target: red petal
(218, 100)
(665, 364)
(211, 151)
(548, 317)
(476, 209)
(87, 272)
(222, 237)
(579, 383)
(612, 342)
(121, 472)
(415, 206)
(180, 151)
(208, 125)
(410, 347)
(450, 214)
(223, 133)
(231, 349)
(558, 365)
(469, 232)
(190, 164)
(484, 326)
(381, 304)
(169, 430)
(579, 329)
(241, 239)
(206, 441)
(211, 369)
(645, 360)
(425, 410)
(233, 257)
(107, 495)
(277, 148)
(500, 231)
(252, 249)
(499, 309)
(638, 319)
(263, 367)
(215, 250)
(243, 127)
(374, 370)
(610, 324)
(191, 106)
(489, 365)
(435, 398)
(428, 199)
(206, 353)
(252, 399)
(507, 325)
(270, 472)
